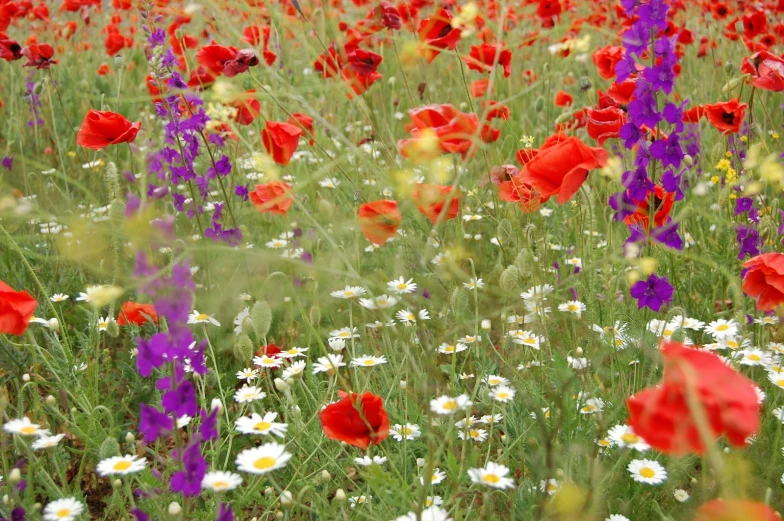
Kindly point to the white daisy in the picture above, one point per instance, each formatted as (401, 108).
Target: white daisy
(328, 364)
(493, 475)
(249, 374)
(103, 323)
(449, 405)
(296, 369)
(24, 427)
(647, 471)
(249, 393)
(478, 435)
(201, 318)
(431, 513)
(722, 328)
(435, 478)
(66, 509)
(366, 461)
(121, 465)
(402, 286)
(450, 349)
(409, 431)
(59, 297)
(344, 333)
(263, 459)
(240, 319)
(47, 442)
(623, 436)
(255, 424)
(502, 393)
(574, 307)
(220, 481)
(368, 361)
(349, 292)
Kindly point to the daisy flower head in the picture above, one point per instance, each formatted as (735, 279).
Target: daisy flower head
(623, 436)
(526, 338)
(617, 517)
(592, 405)
(474, 283)
(575, 307)
(121, 465)
(239, 320)
(296, 369)
(647, 471)
(752, 357)
(407, 431)
(359, 500)
(256, 424)
(267, 362)
(537, 293)
(220, 481)
(293, 352)
(262, 459)
(344, 333)
(448, 405)
(491, 418)
(59, 297)
(380, 302)
(249, 374)
(722, 328)
(550, 486)
(367, 461)
(431, 513)
(349, 292)
(328, 364)
(24, 427)
(478, 435)
(103, 323)
(437, 477)
(493, 380)
(249, 393)
(368, 361)
(502, 393)
(492, 475)
(47, 442)
(680, 495)
(450, 349)
(66, 509)
(202, 318)
(401, 286)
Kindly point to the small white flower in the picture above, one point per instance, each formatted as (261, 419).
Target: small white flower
(449, 405)
(121, 465)
(647, 471)
(201, 318)
(409, 431)
(493, 475)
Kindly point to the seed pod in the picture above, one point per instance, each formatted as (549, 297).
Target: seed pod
(509, 279)
(524, 262)
(261, 318)
(243, 349)
(506, 232)
(459, 300)
(539, 104)
(112, 329)
(109, 448)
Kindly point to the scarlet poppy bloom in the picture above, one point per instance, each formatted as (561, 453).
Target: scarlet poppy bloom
(454, 129)
(766, 69)
(726, 401)
(432, 200)
(606, 58)
(281, 140)
(103, 128)
(563, 99)
(561, 168)
(436, 34)
(764, 280)
(662, 202)
(305, 122)
(329, 63)
(736, 510)
(229, 61)
(270, 350)
(726, 116)
(604, 124)
(479, 87)
(496, 110)
(694, 114)
(379, 220)
(10, 50)
(39, 56)
(115, 42)
(104, 69)
(754, 24)
(343, 421)
(482, 58)
(273, 197)
(134, 313)
(518, 190)
(357, 82)
(720, 11)
(364, 62)
(622, 93)
(248, 108)
(547, 10)
(16, 310)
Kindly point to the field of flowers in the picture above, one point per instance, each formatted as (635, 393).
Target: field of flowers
(381, 260)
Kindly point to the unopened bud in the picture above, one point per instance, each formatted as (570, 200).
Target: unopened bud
(112, 329)
(37, 507)
(286, 498)
(54, 325)
(340, 495)
(728, 66)
(325, 476)
(486, 325)
(216, 405)
(281, 385)
(15, 476)
(539, 104)
(117, 483)
(337, 344)
(130, 438)
(403, 384)
(26, 377)
(279, 515)
(174, 508)
(688, 160)
(420, 462)
(51, 400)
(579, 350)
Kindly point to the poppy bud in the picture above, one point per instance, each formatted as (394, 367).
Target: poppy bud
(728, 67)
(112, 329)
(509, 278)
(36, 507)
(39, 87)
(505, 232)
(546, 68)
(109, 448)
(261, 318)
(243, 349)
(458, 301)
(539, 104)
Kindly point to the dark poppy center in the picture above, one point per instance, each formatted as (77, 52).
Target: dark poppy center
(728, 118)
(446, 29)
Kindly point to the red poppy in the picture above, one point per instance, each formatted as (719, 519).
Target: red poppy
(10, 50)
(229, 61)
(432, 200)
(720, 11)
(665, 416)
(305, 122)
(604, 124)
(115, 42)
(766, 69)
(358, 421)
(726, 116)
(662, 201)
(436, 34)
(563, 99)
(454, 129)
(764, 280)
(694, 114)
(281, 140)
(102, 128)
(606, 58)
(622, 93)
(482, 58)
(519, 191)
(754, 24)
(270, 350)
(379, 220)
(561, 168)
(736, 510)
(329, 63)
(248, 108)
(104, 69)
(548, 10)
(364, 62)
(16, 310)
(39, 56)
(273, 197)
(135, 313)
(479, 88)
(496, 110)
(358, 83)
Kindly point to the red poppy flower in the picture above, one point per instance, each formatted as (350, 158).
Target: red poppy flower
(134, 313)
(662, 201)
(754, 24)
(104, 69)
(16, 310)
(432, 200)
(305, 122)
(10, 50)
(273, 197)
(115, 42)
(482, 58)
(343, 421)
(357, 82)
(102, 128)
(664, 415)
(270, 350)
(496, 110)
(694, 114)
(379, 220)
(604, 124)
(547, 10)
(329, 63)
(436, 34)
(229, 61)
(726, 116)
(364, 62)
(605, 59)
(736, 510)
(39, 56)
(764, 280)
(248, 108)
(519, 191)
(281, 140)
(561, 168)
(622, 93)
(479, 87)
(766, 69)
(453, 128)
(563, 99)
(720, 11)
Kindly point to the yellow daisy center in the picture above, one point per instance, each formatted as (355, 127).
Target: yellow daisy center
(450, 405)
(262, 426)
(722, 327)
(402, 286)
(647, 472)
(264, 463)
(406, 430)
(28, 429)
(491, 478)
(220, 485)
(63, 513)
(754, 357)
(630, 437)
(369, 362)
(202, 316)
(122, 465)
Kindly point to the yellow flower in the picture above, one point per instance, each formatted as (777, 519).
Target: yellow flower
(723, 164)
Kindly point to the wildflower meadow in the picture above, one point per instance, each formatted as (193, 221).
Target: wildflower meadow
(391, 260)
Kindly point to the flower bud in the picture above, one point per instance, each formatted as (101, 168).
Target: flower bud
(216, 404)
(325, 476)
(36, 507)
(340, 496)
(15, 476)
(286, 498)
(51, 400)
(174, 508)
(728, 66)
(117, 483)
(279, 515)
(54, 325)
(337, 344)
(26, 377)
(403, 384)
(579, 350)
(281, 385)
(486, 325)
(420, 462)
(130, 438)
(112, 329)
